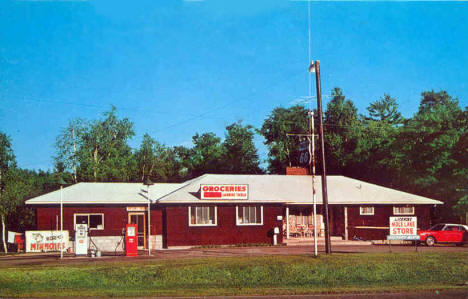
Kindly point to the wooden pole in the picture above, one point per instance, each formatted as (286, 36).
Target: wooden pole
(322, 153)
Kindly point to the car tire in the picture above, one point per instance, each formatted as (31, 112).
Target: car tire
(430, 241)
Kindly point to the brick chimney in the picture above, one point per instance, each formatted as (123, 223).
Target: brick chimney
(296, 171)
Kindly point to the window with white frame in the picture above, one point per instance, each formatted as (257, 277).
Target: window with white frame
(403, 210)
(366, 210)
(249, 215)
(95, 221)
(202, 215)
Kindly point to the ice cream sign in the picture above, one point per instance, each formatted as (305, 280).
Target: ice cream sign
(224, 191)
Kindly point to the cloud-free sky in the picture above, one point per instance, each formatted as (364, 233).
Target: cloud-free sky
(175, 68)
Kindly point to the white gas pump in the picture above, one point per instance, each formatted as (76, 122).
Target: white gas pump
(81, 239)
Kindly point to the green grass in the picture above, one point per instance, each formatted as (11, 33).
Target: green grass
(244, 275)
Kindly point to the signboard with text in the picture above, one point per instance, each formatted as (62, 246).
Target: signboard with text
(403, 228)
(304, 153)
(224, 191)
(44, 241)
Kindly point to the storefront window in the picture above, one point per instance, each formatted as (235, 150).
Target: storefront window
(249, 215)
(202, 216)
(94, 221)
(405, 210)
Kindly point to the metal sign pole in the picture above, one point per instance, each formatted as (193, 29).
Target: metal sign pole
(149, 221)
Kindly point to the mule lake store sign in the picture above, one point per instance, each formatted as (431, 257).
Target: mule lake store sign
(403, 228)
(46, 240)
(215, 192)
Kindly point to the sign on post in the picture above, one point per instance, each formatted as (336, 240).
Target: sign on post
(304, 153)
(46, 241)
(403, 228)
(220, 191)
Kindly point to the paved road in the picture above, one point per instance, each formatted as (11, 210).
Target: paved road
(48, 258)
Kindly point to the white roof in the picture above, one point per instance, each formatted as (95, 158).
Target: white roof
(292, 189)
(105, 193)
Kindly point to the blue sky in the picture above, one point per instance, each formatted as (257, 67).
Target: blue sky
(175, 68)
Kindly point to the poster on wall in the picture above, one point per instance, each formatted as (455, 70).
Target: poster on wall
(224, 191)
(46, 240)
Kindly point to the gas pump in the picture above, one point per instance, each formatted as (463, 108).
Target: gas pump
(131, 240)
(81, 239)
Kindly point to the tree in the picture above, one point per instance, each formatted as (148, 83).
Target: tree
(342, 129)
(68, 144)
(431, 145)
(156, 161)
(385, 109)
(98, 150)
(206, 155)
(283, 150)
(240, 154)
(7, 163)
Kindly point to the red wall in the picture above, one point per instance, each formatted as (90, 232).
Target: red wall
(382, 214)
(115, 218)
(179, 233)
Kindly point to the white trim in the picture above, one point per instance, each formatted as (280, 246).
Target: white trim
(199, 225)
(399, 213)
(249, 224)
(88, 214)
(362, 213)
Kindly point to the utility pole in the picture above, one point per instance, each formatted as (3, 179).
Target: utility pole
(316, 66)
(312, 166)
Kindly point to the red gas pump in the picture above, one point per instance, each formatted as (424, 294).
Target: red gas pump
(131, 240)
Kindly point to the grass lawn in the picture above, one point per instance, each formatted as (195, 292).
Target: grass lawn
(241, 275)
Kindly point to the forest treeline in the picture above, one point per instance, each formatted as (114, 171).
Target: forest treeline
(426, 154)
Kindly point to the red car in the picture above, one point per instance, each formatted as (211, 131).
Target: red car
(445, 233)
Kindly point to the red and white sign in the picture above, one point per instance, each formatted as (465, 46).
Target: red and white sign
(403, 226)
(224, 191)
(44, 241)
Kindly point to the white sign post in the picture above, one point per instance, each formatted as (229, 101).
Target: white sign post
(81, 239)
(403, 228)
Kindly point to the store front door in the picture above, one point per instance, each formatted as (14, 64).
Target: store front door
(140, 220)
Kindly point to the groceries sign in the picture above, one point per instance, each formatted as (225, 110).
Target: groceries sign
(224, 191)
(43, 241)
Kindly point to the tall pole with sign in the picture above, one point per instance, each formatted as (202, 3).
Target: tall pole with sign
(322, 154)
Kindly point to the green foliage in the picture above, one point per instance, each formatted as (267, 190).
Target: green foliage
(156, 161)
(206, 154)
(283, 150)
(240, 155)
(385, 110)
(426, 154)
(98, 150)
(342, 129)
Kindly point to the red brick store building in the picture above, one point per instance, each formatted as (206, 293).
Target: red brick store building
(227, 209)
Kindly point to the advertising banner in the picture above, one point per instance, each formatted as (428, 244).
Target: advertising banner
(224, 191)
(46, 240)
